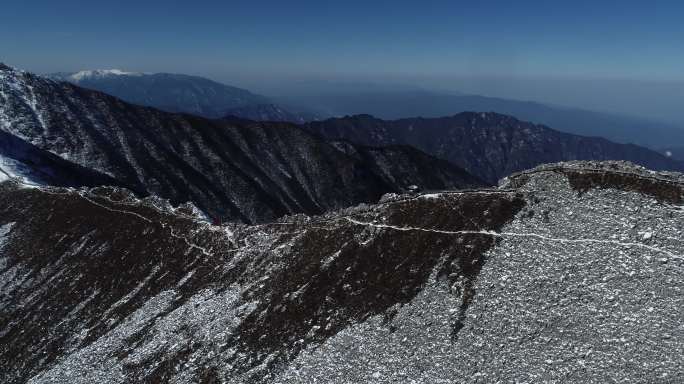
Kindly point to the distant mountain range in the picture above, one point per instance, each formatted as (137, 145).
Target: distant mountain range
(237, 169)
(207, 98)
(489, 145)
(269, 112)
(408, 103)
(182, 93)
(233, 171)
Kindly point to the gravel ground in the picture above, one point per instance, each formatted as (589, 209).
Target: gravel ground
(582, 289)
(548, 280)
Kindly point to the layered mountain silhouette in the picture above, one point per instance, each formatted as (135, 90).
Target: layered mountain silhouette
(232, 171)
(204, 97)
(488, 145)
(400, 103)
(237, 169)
(269, 112)
(182, 93)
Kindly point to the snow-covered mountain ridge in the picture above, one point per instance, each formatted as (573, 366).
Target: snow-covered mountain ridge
(570, 272)
(233, 171)
(100, 73)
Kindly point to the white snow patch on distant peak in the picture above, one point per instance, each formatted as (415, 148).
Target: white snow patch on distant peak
(98, 73)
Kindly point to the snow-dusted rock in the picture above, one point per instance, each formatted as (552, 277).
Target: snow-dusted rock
(495, 285)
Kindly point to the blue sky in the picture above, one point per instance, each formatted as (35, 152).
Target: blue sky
(244, 42)
(635, 39)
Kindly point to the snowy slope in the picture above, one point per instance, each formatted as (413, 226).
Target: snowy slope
(33, 166)
(568, 273)
(247, 172)
(10, 168)
(89, 75)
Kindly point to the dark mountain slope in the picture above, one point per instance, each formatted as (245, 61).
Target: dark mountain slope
(249, 172)
(405, 165)
(488, 145)
(269, 112)
(19, 159)
(568, 273)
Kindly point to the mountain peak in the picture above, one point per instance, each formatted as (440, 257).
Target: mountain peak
(166, 91)
(100, 73)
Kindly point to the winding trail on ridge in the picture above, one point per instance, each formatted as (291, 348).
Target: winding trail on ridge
(514, 234)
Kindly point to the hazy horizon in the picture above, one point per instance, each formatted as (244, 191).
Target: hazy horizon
(620, 57)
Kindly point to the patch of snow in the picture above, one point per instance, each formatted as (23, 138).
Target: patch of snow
(208, 320)
(4, 231)
(13, 169)
(93, 363)
(325, 264)
(134, 292)
(101, 73)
